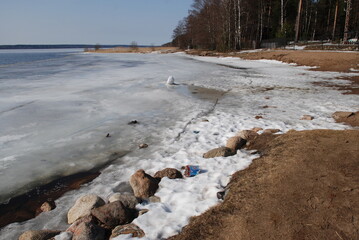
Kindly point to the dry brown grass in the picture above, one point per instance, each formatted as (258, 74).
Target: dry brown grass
(325, 61)
(305, 186)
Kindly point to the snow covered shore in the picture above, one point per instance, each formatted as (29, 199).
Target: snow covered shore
(280, 93)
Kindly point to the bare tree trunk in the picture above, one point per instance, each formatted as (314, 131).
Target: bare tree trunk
(335, 19)
(281, 15)
(262, 10)
(308, 20)
(239, 30)
(297, 22)
(315, 24)
(328, 18)
(347, 19)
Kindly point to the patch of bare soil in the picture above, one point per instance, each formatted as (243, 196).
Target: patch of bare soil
(325, 61)
(304, 186)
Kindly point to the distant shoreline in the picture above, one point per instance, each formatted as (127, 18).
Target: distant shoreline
(137, 49)
(59, 46)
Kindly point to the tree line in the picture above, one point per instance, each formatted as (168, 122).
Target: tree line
(235, 24)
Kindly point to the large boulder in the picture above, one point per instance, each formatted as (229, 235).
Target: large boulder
(89, 231)
(38, 234)
(235, 143)
(128, 200)
(218, 152)
(83, 207)
(86, 219)
(131, 228)
(171, 173)
(143, 185)
(113, 214)
(248, 135)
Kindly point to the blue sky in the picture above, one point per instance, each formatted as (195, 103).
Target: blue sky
(90, 21)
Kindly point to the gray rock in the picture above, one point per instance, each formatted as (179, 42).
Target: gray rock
(38, 234)
(83, 207)
(127, 229)
(235, 143)
(129, 201)
(171, 173)
(113, 214)
(218, 152)
(143, 185)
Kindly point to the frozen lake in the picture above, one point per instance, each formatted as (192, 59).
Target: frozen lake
(57, 108)
(55, 113)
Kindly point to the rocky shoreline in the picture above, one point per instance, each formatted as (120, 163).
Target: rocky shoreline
(27, 206)
(92, 217)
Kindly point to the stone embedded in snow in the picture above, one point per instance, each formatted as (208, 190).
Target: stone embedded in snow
(128, 200)
(154, 199)
(248, 135)
(143, 145)
(218, 152)
(83, 207)
(38, 234)
(143, 211)
(257, 129)
(307, 117)
(143, 185)
(171, 173)
(171, 80)
(131, 228)
(64, 236)
(45, 207)
(235, 143)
